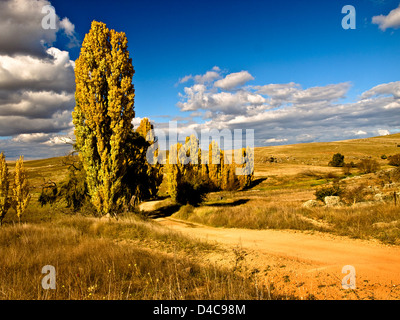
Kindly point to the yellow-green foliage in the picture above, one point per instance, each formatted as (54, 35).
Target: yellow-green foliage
(173, 169)
(185, 163)
(214, 164)
(4, 185)
(103, 113)
(21, 188)
(154, 172)
(229, 180)
(144, 129)
(245, 172)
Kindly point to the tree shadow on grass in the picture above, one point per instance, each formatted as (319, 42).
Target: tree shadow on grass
(228, 204)
(163, 212)
(256, 182)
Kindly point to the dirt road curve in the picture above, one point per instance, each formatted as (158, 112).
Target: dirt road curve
(308, 265)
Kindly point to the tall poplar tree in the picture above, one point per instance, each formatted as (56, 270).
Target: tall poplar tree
(173, 170)
(214, 164)
(246, 169)
(103, 113)
(4, 186)
(21, 188)
(143, 179)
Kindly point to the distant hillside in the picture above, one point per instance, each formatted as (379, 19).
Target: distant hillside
(320, 153)
(297, 156)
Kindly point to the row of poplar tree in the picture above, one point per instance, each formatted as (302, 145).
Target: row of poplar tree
(18, 197)
(113, 168)
(211, 170)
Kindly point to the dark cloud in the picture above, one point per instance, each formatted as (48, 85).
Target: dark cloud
(21, 27)
(15, 125)
(28, 73)
(37, 81)
(23, 32)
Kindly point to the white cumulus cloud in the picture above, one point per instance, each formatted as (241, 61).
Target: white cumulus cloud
(383, 132)
(392, 20)
(360, 133)
(291, 112)
(391, 88)
(274, 140)
(234, 80)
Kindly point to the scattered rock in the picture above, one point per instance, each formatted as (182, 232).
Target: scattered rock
(106, 217)
(311, 204)
(378, 197)
(332, 201)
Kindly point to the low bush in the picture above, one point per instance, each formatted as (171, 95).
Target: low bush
(395, 175)
(394, 160)
(337, 160)
(331, 190)
(48, 194)
(355, 194)
(368, 166)
(347, 169)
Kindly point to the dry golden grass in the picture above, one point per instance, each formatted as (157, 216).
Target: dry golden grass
(97, 259)
(379, 220)
(251, 216)
(136, 259)
(275, 200)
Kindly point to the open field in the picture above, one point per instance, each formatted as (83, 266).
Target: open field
(125, 259)
(259, 243)
(275, 199)
(320, 153)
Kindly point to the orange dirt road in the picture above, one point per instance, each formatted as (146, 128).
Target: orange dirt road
(307, 265)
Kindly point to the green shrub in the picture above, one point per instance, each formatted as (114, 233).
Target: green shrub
(337, 160)
(48, 194)
(74, 188)
(331, 190)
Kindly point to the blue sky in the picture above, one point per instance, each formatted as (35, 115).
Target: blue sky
(277, 42)
(290, 46)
